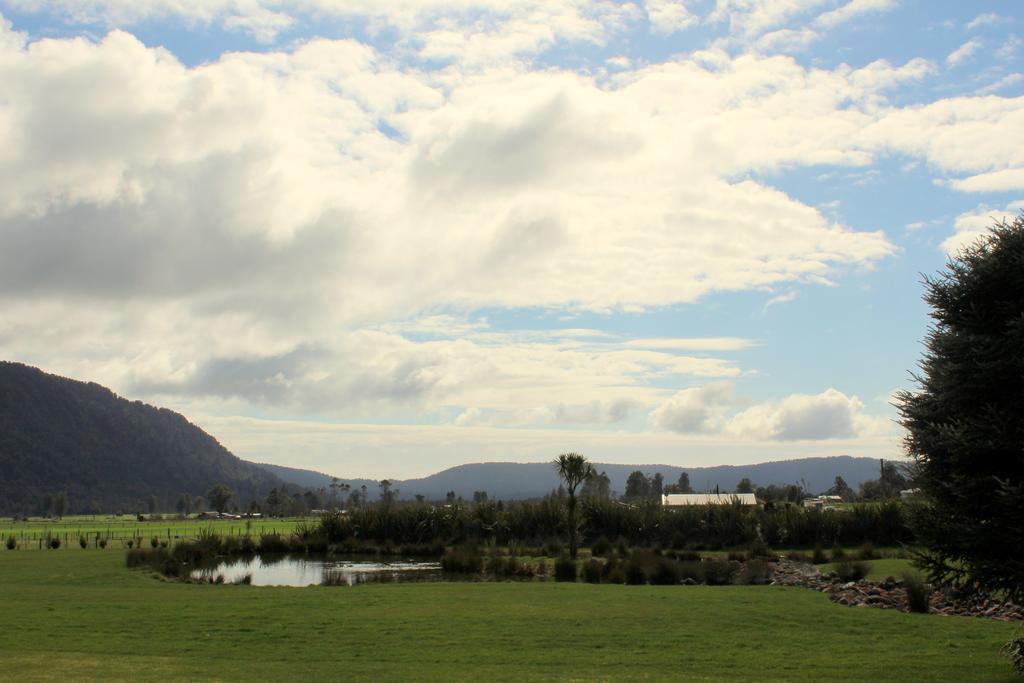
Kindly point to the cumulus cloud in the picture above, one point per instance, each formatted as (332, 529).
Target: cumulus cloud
(994, 181)
(712, 409)
(828, 415)
(256, 228)
(668, 16)
(697, 410)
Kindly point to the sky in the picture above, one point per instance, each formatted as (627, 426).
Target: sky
(382, 239)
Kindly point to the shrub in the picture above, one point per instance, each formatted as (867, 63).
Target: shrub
(818, 556)
(736, 556)
(553, 548)
(635, 575)
(692, 570)
(760, 550)
(867, 552)
(53, 543)
(601, 547)
(154, 542)
(83, 542)
(244, 580)
(799, 557)
(464, 560)
(565, 569)
(719, 572)
(129, 543)
(666, 573)
(103, 543)
(617, 576)
(918, 592)
(592, 571)
(838, 554)
(273, 544)
(852, 570)
(12, 543)
(688, 556)
(755, 572)
(1015, 651)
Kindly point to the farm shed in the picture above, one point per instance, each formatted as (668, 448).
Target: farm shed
(686, 499)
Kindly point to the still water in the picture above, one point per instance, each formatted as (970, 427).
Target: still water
(306, 571)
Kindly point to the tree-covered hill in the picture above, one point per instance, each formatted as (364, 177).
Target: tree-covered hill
(105, 452)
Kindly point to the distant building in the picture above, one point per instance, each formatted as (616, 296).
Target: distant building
(907, 494)
(822, 501)
(674, 500)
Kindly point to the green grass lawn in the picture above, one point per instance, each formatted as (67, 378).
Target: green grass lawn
(82, 615)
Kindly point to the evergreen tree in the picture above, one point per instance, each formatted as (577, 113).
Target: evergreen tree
(965, 424)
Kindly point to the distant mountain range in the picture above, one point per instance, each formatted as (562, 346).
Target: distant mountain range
(506, 480)
(108, 454)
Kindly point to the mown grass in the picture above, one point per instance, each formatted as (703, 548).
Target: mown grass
(83, 615)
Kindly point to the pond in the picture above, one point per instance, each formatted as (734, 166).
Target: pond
(305, 571)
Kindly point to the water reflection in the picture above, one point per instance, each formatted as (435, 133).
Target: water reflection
(305, 571)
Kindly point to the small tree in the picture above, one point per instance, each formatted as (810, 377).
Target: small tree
(219, 497)
(965, 425)
(574, 469)
(745, 486)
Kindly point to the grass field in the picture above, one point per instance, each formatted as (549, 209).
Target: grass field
(124, 527)
(82, 615)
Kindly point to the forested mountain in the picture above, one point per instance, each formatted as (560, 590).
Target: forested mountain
(106, 453)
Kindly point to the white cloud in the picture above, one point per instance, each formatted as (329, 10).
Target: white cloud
(974, 224)
(751, 18)
(1008, 50)
(987, 19)
(1004, 82)
(698, 410)
(784, 298)
(710, 409)
(963, 53)
(1005, 180)
(694, 344)
(255, 229)
(828, 415)
(851, 10)
(668, 16)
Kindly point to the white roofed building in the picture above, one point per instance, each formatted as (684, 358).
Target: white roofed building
(687, 499)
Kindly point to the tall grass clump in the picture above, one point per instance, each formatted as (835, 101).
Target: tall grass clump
(273, 544)
(754, 572)
(12, 543)
(1015, 651)
(53, 543)
(918, 592)
(720, 572)
(666, 573)
(83, 542)
(592, 571)
(565, 568)
(852, 570)
(463, 560)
